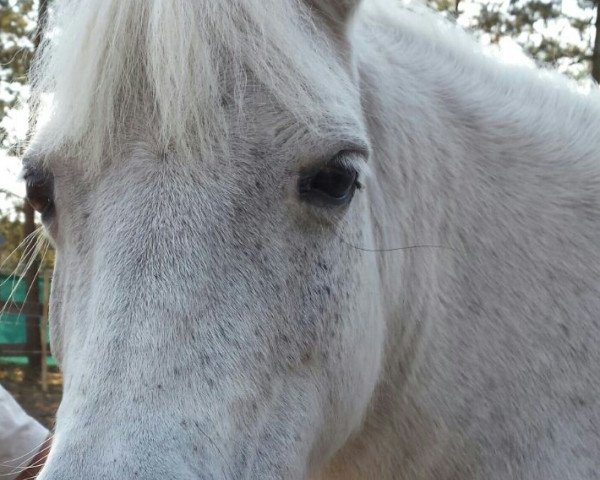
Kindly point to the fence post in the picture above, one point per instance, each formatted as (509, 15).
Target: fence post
(44, 330)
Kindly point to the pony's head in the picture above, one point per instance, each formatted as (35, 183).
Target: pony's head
(200, 168)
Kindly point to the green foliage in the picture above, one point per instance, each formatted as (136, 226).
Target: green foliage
(443, 6)
(541, 27)
(18, 22)
(17, 27)
(11, 235)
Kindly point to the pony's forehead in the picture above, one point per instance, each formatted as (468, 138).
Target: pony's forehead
(109, 64)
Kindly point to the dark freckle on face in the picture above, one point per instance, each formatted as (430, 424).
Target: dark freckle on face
(159, 386)
(327, 290)
(183, 424)
(204, 360)
(210, 382)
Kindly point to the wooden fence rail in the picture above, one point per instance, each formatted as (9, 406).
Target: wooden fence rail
(17, 350)
(18, 308)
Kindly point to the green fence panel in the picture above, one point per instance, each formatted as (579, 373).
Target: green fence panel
(12, 326)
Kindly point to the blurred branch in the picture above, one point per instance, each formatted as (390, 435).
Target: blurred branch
(11, 194)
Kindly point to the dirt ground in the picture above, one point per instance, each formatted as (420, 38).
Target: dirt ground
(40, 405)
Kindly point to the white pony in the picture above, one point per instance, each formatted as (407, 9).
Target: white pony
(314, 239)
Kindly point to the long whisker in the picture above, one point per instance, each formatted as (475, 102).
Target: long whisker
(27, 239)
(392, 249)
(216, 447)
(25, 455)
(25, 256)
(41, 244)
(395, 249)
(9, 301)
(31, 241)
(41, 449)
(23, 466)
(29, 257)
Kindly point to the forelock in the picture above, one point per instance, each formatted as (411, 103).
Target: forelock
(174, 66)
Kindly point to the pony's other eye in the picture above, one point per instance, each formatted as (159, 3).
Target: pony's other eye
(333, 184)
(40, 190)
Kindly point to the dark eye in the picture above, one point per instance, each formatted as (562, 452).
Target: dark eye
(334, 184)
(40, 190)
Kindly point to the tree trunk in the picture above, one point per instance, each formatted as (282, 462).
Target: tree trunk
(32, 329)
(596, 53)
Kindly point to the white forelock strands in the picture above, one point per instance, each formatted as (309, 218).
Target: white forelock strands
(106, 64)
(108, 67)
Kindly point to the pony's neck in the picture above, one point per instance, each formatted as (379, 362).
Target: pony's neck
(472, 156)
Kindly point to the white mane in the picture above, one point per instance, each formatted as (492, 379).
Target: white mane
(107, 62)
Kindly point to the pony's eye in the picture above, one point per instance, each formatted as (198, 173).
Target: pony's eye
(40, 191)
(334, 184)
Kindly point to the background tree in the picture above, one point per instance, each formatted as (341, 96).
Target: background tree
(555, 33)
(19, 37)
(17, 30)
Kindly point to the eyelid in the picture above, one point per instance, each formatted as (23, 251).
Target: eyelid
(33, 175)
(350, 157)
(355, 161)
